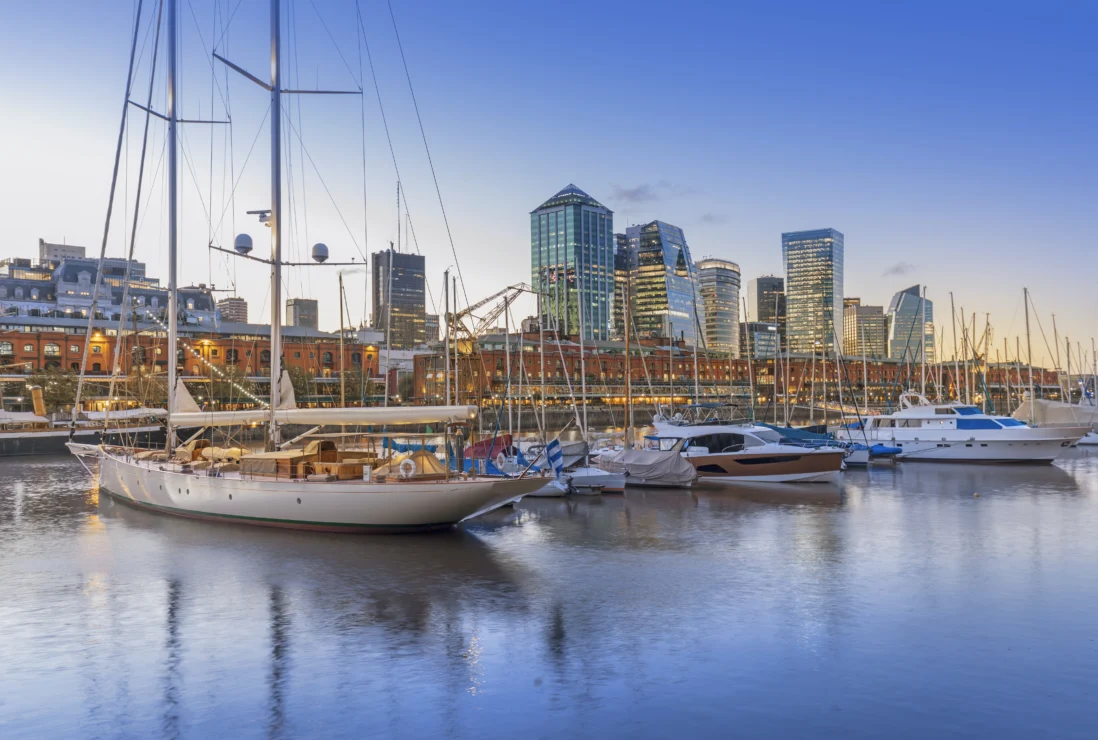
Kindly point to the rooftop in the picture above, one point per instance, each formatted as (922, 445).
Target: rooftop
(571, 195)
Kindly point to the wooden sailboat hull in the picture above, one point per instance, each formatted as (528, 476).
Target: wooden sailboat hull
(333, 506)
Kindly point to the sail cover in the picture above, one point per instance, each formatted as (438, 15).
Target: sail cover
(1048, 413)
(372, 416)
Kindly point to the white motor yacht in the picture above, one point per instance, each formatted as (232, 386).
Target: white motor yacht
(963, 433)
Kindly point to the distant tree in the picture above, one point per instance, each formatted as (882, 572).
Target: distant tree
(58, 388)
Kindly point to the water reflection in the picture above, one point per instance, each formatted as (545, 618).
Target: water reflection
(893, 599)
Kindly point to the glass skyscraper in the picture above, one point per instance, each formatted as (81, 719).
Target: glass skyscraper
(719, 296)
(905, 321)
(572, 263)
(865, 331)
(766, 302)
(408, 310)
(813, 290)
(664, 283)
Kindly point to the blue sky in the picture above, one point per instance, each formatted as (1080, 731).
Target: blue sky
(952, 143)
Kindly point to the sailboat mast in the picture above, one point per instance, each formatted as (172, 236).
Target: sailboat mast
(956, 370)
(628, 372)
(173, 217)
(922, 345)
(1029, 359)
(275, 221)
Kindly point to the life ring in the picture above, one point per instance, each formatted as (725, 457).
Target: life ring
(501, 460)
(407, 468)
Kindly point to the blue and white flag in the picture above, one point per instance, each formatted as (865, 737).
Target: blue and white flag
(555, 455)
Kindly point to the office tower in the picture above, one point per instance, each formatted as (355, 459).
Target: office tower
(719, 295)
(766, 302)
(233, 309)
(431, 327)
(621, 281)
(301, 312)
(813, 289)
(406, 284)
(664, 286)
(865, 330)
(906, 319)
(572, 263)
(760, 339)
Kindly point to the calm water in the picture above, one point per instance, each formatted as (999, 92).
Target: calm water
(894, 605)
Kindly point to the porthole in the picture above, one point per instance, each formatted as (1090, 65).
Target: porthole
(230, 497)
(180, 490)
(299, 501)
(188, 492)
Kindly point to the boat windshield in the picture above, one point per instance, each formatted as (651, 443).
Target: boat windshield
(1008, 422)
(661, 443)
(967, 410)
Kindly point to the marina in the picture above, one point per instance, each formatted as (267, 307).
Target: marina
(893, 603)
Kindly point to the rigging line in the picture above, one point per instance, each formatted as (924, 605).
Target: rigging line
(194, 177)
(243, 166)
(226, 24)
(362, 113)
(107, 220)
(326, 190)
(430, 161)
(133, 232)
(209, 56)
(301, 127)
(338, 50)
(412, 230)
(213, 82)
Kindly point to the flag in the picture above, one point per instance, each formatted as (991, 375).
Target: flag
(555, 455)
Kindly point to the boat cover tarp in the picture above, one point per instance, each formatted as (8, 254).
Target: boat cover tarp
(665, 467)
(489, 447)
(1048, 413)
(799, 435)
(138, 413)
(426, 464)
(376, 415)
(21, 417)
(266, 463)
(403, 447)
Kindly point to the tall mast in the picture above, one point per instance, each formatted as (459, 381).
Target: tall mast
(1029, 359)
(275, 221)
(865, 375)
(389, 317)
(507, 351)
(541, 360)
(342, 375)
(922, 344)
(956, 374)
(628, 373)
(446, 330)
(580, 297)
(173, 218)
(1056, 344)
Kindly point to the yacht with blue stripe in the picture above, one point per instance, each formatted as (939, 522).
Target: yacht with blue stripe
(959, 432)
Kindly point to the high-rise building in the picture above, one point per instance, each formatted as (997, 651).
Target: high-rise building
(406, 284)
(760, 339)
(233, 308)
(664, 286)
(621, 281)
(766, 302)
(431, 327)
(572, 263)
(906, 320)
(719, 298)
(301, 312)
(865, 330)
(813, 289)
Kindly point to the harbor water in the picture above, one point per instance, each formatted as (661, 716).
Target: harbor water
(915, 600)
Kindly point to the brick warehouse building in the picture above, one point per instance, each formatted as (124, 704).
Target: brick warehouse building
(662, 370)
(31, 344)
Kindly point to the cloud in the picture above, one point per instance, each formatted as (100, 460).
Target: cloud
(900, 268)
(713, 218)
(649, 193)
(643, 193)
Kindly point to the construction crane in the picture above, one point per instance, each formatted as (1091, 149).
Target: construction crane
(508, 295)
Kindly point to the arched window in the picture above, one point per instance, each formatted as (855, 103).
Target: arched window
(327, 358)
(3, 292)
(6, 348)
(18, 294)
(138, 355)
(74, 366)
(97, 368)
(34, 294)
(356, 358)
(155, 302)
(52, 349)
(190, 304)
(265, 356)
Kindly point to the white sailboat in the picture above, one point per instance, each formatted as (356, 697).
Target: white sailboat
(315, 487)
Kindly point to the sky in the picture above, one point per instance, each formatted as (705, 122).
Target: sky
(952, 143)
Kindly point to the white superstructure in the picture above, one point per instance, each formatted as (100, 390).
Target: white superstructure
(962, 433)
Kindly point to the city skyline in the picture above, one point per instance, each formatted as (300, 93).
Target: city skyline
(928, 177)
